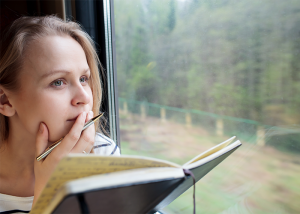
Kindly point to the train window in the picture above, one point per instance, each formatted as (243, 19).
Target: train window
(192, 73)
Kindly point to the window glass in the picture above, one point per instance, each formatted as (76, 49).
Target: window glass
(192, 73)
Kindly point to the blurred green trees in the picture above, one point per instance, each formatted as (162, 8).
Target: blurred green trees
(235, 58)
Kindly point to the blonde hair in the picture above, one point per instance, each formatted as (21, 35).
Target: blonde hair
(18, 37)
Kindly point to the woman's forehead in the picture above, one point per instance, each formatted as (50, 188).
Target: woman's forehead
(55, 53)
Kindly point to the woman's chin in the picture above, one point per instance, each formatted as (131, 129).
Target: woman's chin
(59, 134)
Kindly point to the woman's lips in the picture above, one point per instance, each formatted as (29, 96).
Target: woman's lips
(72, 119)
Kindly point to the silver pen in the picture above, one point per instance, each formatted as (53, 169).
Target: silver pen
(51, 147)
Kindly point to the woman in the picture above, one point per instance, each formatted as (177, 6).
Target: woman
(49, 87)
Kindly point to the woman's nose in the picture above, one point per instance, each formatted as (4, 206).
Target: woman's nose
(80, 95)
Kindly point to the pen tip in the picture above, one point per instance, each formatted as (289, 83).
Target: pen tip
(97, 117)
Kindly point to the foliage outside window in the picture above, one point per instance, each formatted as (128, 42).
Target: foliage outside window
(192, 73)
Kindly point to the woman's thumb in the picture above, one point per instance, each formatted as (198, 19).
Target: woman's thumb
(41, 139)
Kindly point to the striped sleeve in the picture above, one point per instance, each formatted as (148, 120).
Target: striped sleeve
(105, 146)
(13, 204)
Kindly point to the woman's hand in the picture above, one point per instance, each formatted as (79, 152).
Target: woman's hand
(73, 142)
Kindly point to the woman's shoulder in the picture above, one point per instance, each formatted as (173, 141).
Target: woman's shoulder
(105, 146)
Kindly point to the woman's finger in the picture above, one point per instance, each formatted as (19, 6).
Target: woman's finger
(70, 139)
(89, 116)
(90, 134)
(86, 141)
(41, 139)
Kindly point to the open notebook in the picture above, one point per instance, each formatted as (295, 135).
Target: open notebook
(123, 184)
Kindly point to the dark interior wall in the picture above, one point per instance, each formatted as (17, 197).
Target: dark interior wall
(48, 7)
(16, 7)
(11, 10)
(51, 7)
(33, 7)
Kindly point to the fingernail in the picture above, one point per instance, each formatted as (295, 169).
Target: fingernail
(41, 128)
(91, 114)
(83, 114)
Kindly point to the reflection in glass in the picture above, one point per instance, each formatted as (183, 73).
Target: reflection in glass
(192, 73)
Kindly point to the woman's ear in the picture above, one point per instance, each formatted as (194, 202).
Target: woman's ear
(5, 107)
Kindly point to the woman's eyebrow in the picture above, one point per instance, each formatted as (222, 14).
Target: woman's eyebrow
(53, 72)
(60, 71)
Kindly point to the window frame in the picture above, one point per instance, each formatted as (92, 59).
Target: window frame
(97, 19)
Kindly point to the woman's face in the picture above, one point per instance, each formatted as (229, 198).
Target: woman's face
(54, 86)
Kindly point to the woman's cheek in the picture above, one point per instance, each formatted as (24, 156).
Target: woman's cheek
(57, 131)
(91, 100)
(54, 116)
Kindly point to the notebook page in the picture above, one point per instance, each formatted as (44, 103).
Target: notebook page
(80, 165)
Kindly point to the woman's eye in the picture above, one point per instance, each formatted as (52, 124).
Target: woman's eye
(83, 79)
(57, 83)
